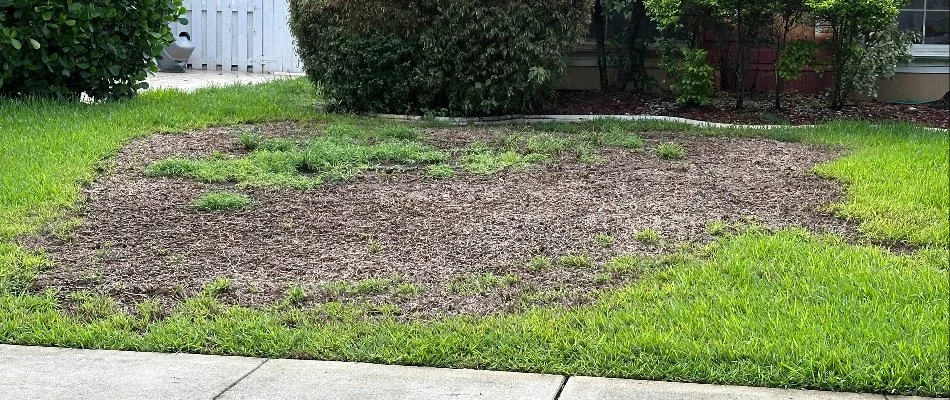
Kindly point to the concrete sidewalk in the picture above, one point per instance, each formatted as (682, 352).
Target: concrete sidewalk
(51, 373)
(195, 79)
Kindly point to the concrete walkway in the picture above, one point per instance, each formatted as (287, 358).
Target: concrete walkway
(195, 79)
(50, 373)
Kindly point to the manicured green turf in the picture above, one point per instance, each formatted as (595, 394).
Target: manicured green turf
(775, 309)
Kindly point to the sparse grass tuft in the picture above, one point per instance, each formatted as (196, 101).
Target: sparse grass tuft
(717, 228)
(440, 171)
(648, 236)
(605, 240)
(626, 264)
(65, 229)
(250, 139)
(277, 145)
(603, 278)
(670, 151)
(482, 159)
(575, 261)
(217, 287)
(373, 246)
(482, 283)
(221, 201)
(295, 295)
(539, 263)
(280, 162)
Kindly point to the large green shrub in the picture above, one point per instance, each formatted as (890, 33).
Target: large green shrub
(865, 43)
(66, 47)
(455, 57)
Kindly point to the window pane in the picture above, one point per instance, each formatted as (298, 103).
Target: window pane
(915, 4)
(911, 21)
(938, 31)
(938, 4)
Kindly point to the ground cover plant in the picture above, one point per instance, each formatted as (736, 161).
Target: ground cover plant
(748, 304)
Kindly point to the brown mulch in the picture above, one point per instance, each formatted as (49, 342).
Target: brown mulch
(140, 239)
(799, 109)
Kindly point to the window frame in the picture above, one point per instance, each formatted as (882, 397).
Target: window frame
(927, 50)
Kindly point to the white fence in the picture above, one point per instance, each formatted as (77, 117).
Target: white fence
(240, 35)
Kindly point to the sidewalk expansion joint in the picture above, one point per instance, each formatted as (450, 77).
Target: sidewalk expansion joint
(560, 389)
(225, 390)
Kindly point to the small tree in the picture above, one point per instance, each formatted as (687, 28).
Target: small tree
(746, 20)
(627, 51)
(789, 14)
(866, 44)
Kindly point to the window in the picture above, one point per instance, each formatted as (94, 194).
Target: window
(929, 17)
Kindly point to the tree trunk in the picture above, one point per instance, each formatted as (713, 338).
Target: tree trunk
(742, 61)
(637, 12)
(600, 33)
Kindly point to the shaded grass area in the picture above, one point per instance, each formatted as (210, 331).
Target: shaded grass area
(756, 308)
(783, 309)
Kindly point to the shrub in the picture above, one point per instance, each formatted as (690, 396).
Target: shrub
(690, 75)
(865, 45)
(64, 48)
(446, 56)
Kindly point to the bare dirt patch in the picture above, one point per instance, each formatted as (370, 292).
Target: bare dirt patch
(429, 246)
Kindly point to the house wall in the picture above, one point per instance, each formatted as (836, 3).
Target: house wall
(924, 80)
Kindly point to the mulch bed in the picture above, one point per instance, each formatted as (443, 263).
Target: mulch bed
(799, 109)
(140, 239)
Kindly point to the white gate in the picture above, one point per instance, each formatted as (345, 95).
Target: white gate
(240, 35)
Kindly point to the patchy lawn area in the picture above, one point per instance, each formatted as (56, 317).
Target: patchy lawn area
(639, 250)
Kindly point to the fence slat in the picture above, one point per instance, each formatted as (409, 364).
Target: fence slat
(242, 23)
(258, 40)
(245, 35)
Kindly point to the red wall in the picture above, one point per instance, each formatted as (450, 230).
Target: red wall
(761, 74)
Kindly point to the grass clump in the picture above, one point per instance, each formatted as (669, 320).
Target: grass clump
(575, 261)
(482, 283)
(648, 236)
(605, 240)
(626, 264)
(670, 151)
(539, 263)
(364, 287)
(221, 201)
(278, 145)
(250, 140)
(440, 171)
(295, 295)
(480, 158)
(217, 287)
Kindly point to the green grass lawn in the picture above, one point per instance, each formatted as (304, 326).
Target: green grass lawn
(785, 309)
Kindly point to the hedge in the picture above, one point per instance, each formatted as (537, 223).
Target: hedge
(446, 57)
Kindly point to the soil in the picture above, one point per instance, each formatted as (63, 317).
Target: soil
(799, 109)
(140, 239)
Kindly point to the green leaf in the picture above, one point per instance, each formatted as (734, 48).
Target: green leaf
(16, 44)
(69, 22)
(35, 44)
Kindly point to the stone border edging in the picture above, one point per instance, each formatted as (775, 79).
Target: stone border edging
(535, 119)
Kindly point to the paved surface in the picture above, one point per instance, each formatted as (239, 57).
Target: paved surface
(195, 79)
(41, 373)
